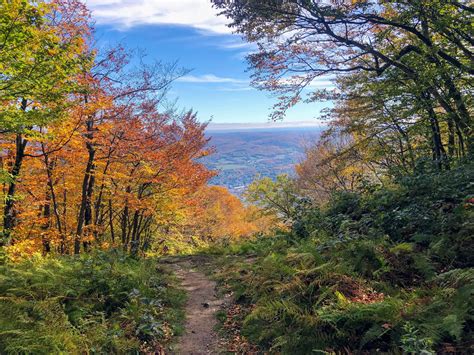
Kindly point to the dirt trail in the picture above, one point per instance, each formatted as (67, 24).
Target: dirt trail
(199, 336)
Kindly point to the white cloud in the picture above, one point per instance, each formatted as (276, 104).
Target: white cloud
(236, 89)
(198, 14)
(210, 79)
(321, 82)
(238, 43)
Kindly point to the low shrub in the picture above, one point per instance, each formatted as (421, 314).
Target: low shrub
(103, 302)
(389, 271)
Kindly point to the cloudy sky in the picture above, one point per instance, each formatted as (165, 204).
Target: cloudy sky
(191, 32)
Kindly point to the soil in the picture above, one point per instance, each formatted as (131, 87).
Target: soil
(202, 304)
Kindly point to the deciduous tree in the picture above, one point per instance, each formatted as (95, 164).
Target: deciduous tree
(43, 49)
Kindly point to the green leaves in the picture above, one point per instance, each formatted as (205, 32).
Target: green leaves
(383, 270)
(277, 197)
(413, 343)
(104, 302)
(41, 54)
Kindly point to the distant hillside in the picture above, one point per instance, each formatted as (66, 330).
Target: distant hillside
(241, 155)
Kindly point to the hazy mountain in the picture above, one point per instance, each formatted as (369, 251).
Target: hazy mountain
(243, 154)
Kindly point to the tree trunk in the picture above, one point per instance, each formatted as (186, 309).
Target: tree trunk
(135, 239)
(9, 218)
(49, 172)
(124, 223)
(85, 211)
(47, 224)
(440, 157)
(111, 221)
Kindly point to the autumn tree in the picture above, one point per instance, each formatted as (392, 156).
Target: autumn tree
(164, 164)
(105, 163)
(117, 92)
(278, 197)
(219, 214)
(211, 214)
(330, 165)
(43, 46)
(414, 55)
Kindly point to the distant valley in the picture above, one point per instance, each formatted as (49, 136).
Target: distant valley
(243, 154)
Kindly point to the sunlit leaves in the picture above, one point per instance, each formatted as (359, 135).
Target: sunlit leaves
(43, 48)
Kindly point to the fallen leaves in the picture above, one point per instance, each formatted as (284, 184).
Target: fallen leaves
(234, 341)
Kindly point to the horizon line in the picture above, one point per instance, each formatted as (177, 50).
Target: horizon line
(264, 125)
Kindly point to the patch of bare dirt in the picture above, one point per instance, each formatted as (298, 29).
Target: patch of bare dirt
(199, 336)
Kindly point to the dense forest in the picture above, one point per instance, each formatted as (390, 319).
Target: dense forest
(368, 248)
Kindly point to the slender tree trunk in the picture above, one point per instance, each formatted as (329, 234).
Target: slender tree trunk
(47, 224)
(111, 221)
(49, 172)
(9, 218)
(64, 216)
(98, 205)
(439, 153)
(88, 209)
(145, 231)
(85, 210)
(124, 222)
(135, 238)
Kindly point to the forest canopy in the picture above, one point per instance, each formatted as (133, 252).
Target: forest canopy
(92, 156)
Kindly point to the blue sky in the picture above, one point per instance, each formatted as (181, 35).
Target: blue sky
(190, 32)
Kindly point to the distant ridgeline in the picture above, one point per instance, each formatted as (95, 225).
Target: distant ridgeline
(243, 154)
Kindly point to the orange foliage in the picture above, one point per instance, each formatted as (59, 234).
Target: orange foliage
(111, 169)
(216, 213)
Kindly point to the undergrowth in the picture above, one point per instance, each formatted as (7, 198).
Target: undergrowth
(387, 271)
(104, 302)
